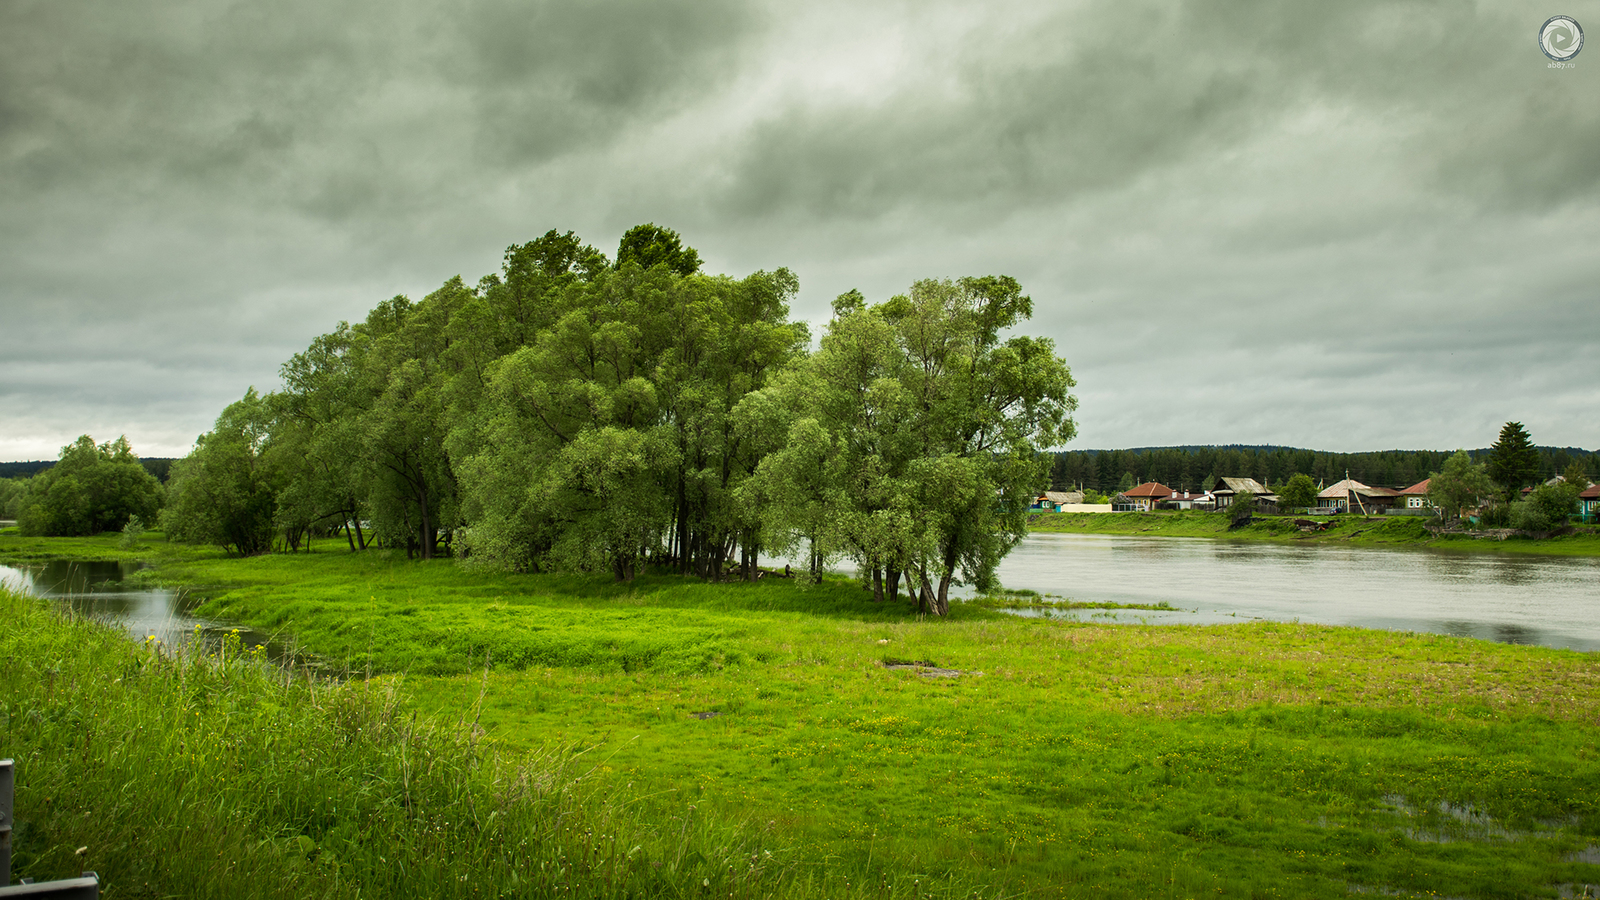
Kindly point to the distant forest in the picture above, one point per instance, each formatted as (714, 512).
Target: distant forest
(1194, 467)
(1180, 468)
(155, 465)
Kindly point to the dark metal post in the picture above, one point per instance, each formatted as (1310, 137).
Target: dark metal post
(7, 782)
(85, 888)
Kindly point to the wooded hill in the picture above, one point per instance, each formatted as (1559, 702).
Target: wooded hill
(1197, 467)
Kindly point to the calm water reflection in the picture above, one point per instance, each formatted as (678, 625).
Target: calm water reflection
(102, 590)
(1552, 601)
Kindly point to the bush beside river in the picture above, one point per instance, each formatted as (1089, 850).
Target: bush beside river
(1064, 759)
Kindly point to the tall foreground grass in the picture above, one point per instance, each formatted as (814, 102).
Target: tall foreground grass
(194, 774)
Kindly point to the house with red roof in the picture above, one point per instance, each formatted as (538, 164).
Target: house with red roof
(1589, 503)
(1416, 496)
(1143, 498)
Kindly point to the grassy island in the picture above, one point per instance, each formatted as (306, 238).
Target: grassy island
(543, 735)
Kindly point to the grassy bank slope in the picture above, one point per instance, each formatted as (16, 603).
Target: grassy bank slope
(1064, 760)
(223, 777)
(1374, 531)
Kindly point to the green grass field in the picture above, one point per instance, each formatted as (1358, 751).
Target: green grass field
(1064, 759)
(1360, 531)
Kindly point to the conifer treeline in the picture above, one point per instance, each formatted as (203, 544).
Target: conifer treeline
(1193, 468)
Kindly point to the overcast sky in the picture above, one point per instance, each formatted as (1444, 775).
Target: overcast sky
(1343, 226)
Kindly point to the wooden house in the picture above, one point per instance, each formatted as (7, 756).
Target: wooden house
(1350, 495)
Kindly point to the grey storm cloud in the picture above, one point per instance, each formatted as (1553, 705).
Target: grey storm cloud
(338, 109)
(1092, 97)
(1342, 225)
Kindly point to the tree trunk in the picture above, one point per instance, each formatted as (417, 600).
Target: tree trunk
(894, 586)
(425, 536)
(877, 584)
(925, 595)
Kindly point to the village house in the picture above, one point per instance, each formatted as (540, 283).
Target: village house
(1589, 503)
(1190, 500)
(1350, 495)
(1143, 498)
(1227, 488)
(1416, 496)
(1054, 501)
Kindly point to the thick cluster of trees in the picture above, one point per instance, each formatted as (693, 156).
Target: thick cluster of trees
(578, 414)
(1495, 485)
(93, 488)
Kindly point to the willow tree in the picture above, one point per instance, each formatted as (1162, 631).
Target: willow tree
(608, 438)
(927, 422)
(225, 491)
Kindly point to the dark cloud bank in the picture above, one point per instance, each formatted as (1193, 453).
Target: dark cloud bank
(1347, 226)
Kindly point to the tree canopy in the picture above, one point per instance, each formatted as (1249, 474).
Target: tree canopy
(571, 414)
(912, 436)
(1460, 484)
(1299, 492)
(1513, 461)
(93, 488)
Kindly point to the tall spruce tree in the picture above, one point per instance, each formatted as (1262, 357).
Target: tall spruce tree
(1513, 461)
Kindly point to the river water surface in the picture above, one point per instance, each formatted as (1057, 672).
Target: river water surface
(1552, 601)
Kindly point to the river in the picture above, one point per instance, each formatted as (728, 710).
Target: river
(1550, 601)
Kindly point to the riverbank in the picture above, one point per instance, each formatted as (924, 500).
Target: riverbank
(220, 776)
(1035, 757)
(1359, 531)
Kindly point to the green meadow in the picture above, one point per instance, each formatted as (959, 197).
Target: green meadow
(855, 749)
(1358, 531)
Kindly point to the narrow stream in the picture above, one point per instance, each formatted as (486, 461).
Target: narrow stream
(108, 591)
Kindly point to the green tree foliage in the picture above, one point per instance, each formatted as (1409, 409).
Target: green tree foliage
(225, 491)
(1242, 508)
(569, 414)
(93, 488)
(1577, 475)
(651, 245)
(1458, 485)
(12, 493)
(615, 428)
(1546, 508)
(914, 436)
(1513, 461)
(1299, 492)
